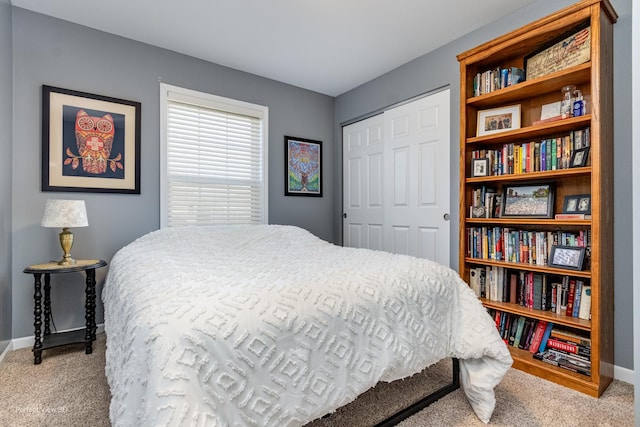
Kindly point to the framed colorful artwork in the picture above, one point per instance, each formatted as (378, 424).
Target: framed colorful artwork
(303, 158)
(90, 143)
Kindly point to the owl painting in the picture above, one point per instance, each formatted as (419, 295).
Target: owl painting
(94, 139)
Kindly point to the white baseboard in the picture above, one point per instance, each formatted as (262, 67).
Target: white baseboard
(623, 374)
(6, 351)
(27, 342)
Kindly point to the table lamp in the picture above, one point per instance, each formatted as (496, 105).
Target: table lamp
(65, 214)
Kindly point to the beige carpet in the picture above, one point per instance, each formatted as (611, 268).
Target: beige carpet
(69, 389)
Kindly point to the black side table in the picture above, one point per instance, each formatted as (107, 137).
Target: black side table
(50, 340)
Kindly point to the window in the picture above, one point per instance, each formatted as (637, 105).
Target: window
(213, 159)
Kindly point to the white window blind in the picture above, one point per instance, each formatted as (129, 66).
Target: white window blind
(214, 163)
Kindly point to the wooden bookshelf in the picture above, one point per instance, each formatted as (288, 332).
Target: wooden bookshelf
(594, 79)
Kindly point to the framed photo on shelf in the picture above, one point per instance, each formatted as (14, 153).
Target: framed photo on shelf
(579, 157)
(303, 158)
(498, 120)
(90, 143)
(569, 257)
(479, 167)
(528, 201)
(577, 204)
(567, 51)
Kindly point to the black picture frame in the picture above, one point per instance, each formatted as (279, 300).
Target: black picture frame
(567, 257)
(303, 160)
(90, 143)
(528, 201)
(479, 167)
(577, 204)
(579, 157)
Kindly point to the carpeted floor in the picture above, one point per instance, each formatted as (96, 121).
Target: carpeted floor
(69, 389)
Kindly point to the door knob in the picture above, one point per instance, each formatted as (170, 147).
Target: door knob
(446, 217)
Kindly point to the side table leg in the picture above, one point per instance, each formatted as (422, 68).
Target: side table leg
(37, 312)
(47, 303)
(90, 311)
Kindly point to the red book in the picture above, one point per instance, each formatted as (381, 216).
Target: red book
(571, 297)
(537, 336)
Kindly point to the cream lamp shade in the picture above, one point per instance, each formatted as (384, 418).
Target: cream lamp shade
(65, 214)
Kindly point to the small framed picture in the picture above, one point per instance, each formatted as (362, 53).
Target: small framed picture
(498, 120)
(529, 201)
(579, 157)
(577, 203)
(479, 167)
(569, 257)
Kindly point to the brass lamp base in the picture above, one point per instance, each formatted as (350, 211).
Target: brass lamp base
(66, 241)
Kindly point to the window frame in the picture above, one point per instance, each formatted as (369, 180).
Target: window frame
(175, 93)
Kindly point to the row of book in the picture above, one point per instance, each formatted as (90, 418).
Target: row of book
(564, 295)
(545, 340)
(496, 78)
(523, 246)
(545, 155)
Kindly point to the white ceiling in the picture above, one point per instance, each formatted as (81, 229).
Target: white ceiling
(328, 46)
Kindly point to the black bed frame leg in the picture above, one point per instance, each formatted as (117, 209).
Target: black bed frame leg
(426, 401)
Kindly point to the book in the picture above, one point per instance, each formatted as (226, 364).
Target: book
(547, 294)
(569, 336)
(570, 348)
(537, 336)
(576, 300)
(545, 337)
(513, 288)
(585, 303)
(570, 297)
(525, 333)
(521, 322)
(563, 361)
(513, 329)
(548, 120)
(568, 216)
(537, 291)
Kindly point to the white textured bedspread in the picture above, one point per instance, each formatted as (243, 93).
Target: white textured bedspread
(271, 326)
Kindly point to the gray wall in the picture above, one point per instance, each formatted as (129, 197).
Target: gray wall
(58, 53)
(5, 173)
(440, 68)
(636, 200)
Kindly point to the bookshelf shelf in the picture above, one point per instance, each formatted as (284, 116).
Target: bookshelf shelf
(559, 319)
(593, 129)
(556, 223)
(528, 267)
(533, 131)
(540, 175)
(550, 83)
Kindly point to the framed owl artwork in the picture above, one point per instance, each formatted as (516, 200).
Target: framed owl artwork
(90, 143)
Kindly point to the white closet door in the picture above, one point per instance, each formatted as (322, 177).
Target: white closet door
(363, 175)
(396, 180)
(417, 182)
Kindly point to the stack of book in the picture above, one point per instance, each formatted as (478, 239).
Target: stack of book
(567, 350)
(536, 156)
(545, 341)
(522, 246)
(522, 332)
(571, 297)
(564, 295)
(496, 78)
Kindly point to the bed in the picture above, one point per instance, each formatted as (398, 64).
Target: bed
(268, 325)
